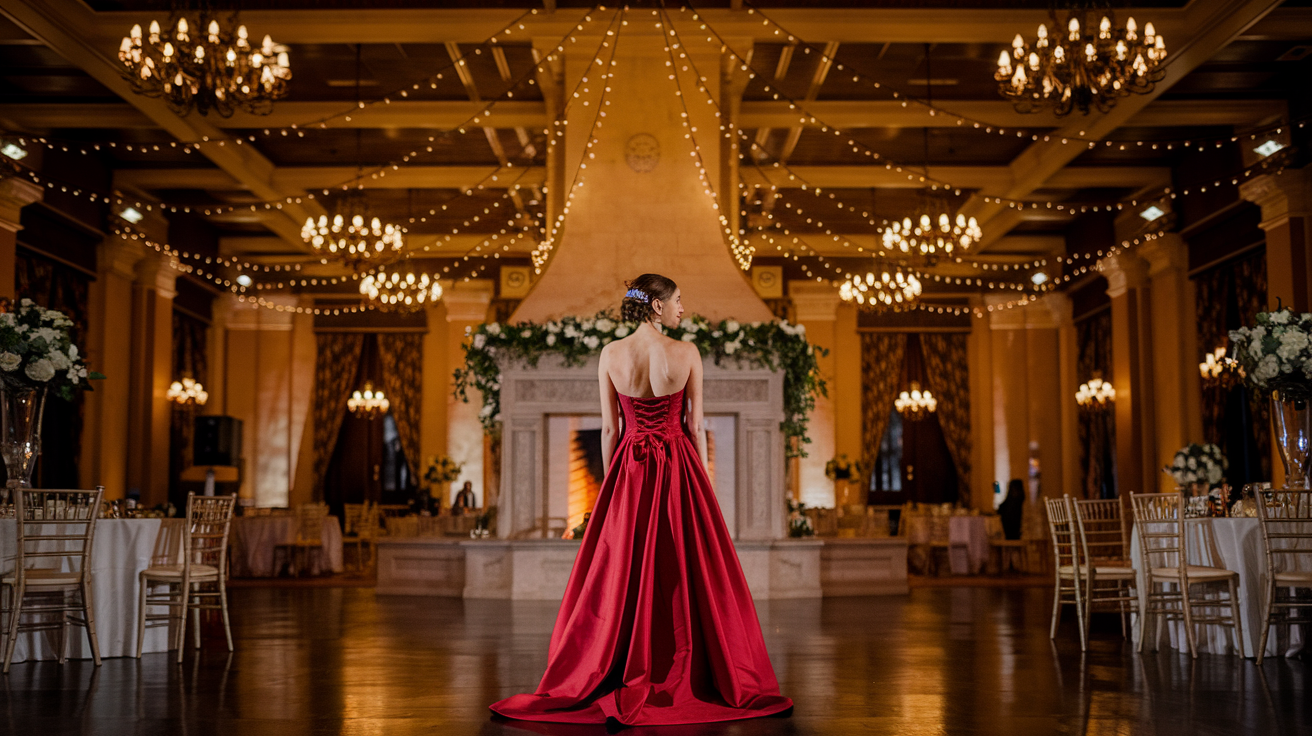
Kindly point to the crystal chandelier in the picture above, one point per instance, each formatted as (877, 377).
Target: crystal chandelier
(368, 404)
(915, 404)
(1079, 70)
(1220, 371)
(886, 290)
(933, 231)
(188, 392)
(400, 291)
(212, 70)
(1095, 395)
(352, 234)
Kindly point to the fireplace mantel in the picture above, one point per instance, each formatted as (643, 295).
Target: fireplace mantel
(753, 396)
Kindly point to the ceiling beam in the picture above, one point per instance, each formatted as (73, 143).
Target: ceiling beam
(315, 178)
(965, 177)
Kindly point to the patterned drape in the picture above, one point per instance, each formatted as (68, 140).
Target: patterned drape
(1093, 337)
(947, 371)
(882, 357)
(401, 364)
(190, 358)
(336, 363)
(1250, 294)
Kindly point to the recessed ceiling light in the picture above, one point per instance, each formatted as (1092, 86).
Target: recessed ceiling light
(14, 151)
(1268, 148)
(1039, 278)
(131, 214)
(244, 280)
(1152, 213)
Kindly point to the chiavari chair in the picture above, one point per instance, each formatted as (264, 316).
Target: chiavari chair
(1065, 562)
(1108, 575)
(1286, 520)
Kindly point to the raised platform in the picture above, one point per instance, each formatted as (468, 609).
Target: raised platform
(538, 569)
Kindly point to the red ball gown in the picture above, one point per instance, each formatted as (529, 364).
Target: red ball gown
(657, 625)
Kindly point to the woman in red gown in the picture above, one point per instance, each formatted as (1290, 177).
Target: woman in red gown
(657, 625)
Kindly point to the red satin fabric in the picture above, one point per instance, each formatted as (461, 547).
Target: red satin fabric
(657, 625)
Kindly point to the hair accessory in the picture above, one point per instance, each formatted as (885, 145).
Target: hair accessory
(638, 294)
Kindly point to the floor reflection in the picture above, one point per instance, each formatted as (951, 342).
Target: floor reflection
(964, 660)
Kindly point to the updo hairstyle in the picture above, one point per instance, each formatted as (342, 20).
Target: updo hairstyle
(642, 291)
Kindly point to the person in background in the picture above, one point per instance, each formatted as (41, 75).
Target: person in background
(464, 499)
(1012, 509)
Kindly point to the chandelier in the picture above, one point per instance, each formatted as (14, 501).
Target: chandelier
(188, 392)
(887, 289)
(1220, 371)
(352, 234)
(368, 404)
(212, 70)
(1095, 395)
(398, 291)
(933, 231)
(915, 404)
(1076, 69)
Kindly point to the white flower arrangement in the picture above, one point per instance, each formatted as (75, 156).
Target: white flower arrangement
(1276, 354)
(37, 351)
(1198, 464)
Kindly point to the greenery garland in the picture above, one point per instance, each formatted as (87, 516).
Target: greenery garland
(774, 345)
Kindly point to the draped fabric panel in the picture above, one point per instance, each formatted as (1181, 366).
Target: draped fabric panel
(336, 363)
(882, 356)
(1250, 296)
(947, 371)
(1097, 431)
(401, 365)
(1212, 293)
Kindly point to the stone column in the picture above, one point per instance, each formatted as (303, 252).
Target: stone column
(1067, 384)
(149, 410)
(466, 307)
(1177, 392)
(1286, 202)
(846, 361)
(816, 308)
(109, 350)
(438, 366)
(1132, 373)
(979, 353)
(14, 195)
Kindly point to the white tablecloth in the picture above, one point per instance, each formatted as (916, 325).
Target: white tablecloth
(967, 538)
(253, 539)
(1235, 544)
(121, 550)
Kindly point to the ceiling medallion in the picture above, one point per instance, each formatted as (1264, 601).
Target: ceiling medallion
(399, 291)
(352, 235)
(933, 231)
(642, 152)
(1081, 70)
(886, 290)
(216, 69)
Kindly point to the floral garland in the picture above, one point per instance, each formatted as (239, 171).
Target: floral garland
(770, 345)
(37, 351)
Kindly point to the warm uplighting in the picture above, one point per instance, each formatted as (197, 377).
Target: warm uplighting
(368, 404)
(1094, 395)
(352, 235)
(398, 291)
(217, 69)
(188, 392)
(1218, 370)
(886, 290)
(915, 404)
(933, 230)
(1081, 68)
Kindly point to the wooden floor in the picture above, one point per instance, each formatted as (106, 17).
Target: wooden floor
(940, 661)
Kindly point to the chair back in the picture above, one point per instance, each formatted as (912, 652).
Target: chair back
(1286, 521)
(1062, 531)
(1101, 530)
(55, 527)
(309, 522)
(1159, 522)
(205, 535)
(353, 517)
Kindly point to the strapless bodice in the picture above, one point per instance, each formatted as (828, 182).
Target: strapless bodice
(655, 416)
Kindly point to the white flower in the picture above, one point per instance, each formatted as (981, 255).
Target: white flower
(553, 327)
(7, 319)
(591, 342)
(9, 361)
(47, 334)
(716, 333)
(486, 411)
(526, 332)
(40, 370)
(72, 352)
(1292, 342)
(732, 326)
(605, 325)
(479, 341)
(1267, 369)
(494, 329)
(1214, 474)
(587, 325)
(756, 323)
(1193, 463)
(75, 374)
(621, 331)
(1179, 460)
(570, 332)
(686, 325)
(731, 347)
(688, 336)
(20, 329)
(1280, 318)
(59, 360)
(551, 339)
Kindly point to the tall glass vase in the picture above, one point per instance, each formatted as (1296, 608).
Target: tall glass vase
(1292, 412)
(20, 432)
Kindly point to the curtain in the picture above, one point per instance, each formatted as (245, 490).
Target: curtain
(882, 357)
(401, 364)
(1250, 297)
(337, 360)
(1212, 294)
(190, 358)
(1097, 430)
(947, 372)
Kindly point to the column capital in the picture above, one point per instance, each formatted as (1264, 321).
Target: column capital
(120, 255)
(814, 302)
(467, 301)
(1281, 196)
(1165, 253)
(15, 194)
(1123, 272)
(159, 272)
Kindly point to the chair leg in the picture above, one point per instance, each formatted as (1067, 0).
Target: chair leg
(1056, 608)
(1266, 619)
(1188, 619)
(1079, 614)
(1236, 618)
(223, 606)
(184, 591)
(1088, 611)
(195, 614)
(11, 632)
(141, 613)
(63, 628)
(89, 616)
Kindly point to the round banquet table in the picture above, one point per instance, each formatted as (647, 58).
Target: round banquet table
(122, 548)
(967, 538)
(254, 538)
(1235, 544)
